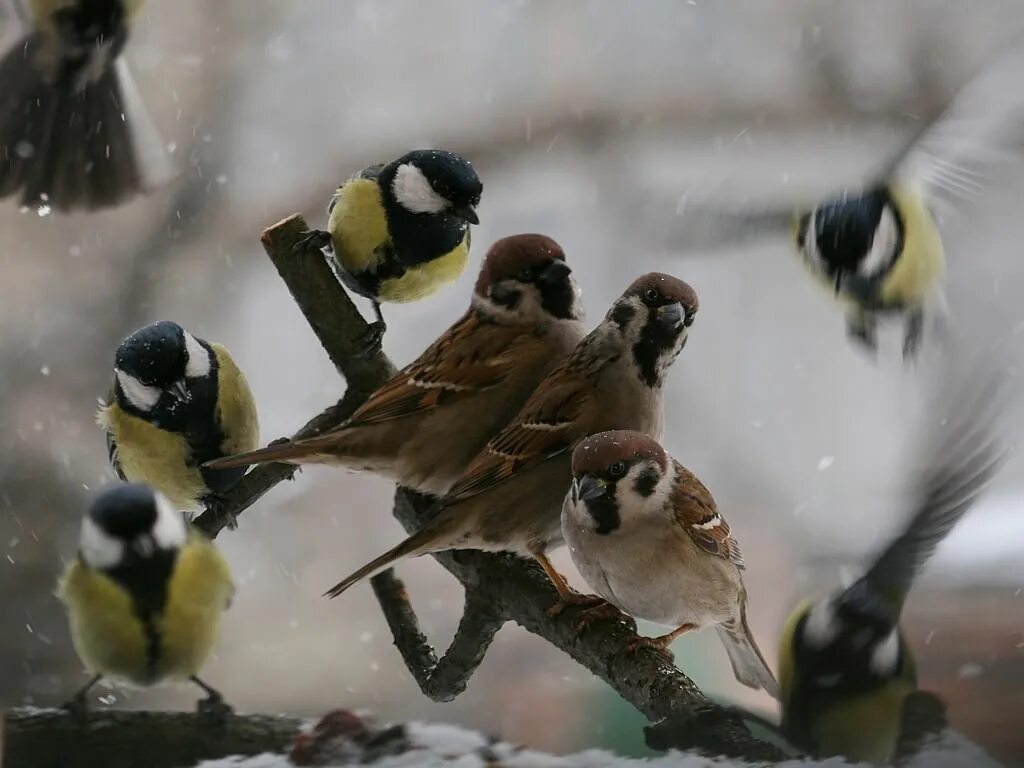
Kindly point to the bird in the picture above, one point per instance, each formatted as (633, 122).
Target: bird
(509, 497)
(647, 536)
(74, 132)
(877, 246)
(845, 668)
(144, 594)
(424, 425)
(176, 402)
(398, 232)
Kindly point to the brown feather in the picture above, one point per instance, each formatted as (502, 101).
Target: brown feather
(697, 513)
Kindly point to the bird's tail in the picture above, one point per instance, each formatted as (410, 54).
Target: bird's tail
(70, 143)
(288, 452)
(432, 537)
(748, 664)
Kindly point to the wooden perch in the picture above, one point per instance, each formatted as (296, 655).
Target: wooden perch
(53, 738)
(499, 588)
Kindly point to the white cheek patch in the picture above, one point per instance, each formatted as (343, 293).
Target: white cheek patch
(882, 247)
(821, 627)
(198, 365)
(811, 242)
(100, 550)
(169, 531)
(886, 655)
(414, 193)
(141, 396)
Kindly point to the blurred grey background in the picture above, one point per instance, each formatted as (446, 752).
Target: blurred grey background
(601, 124)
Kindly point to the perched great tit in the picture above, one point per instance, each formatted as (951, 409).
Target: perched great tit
(177, 401)
(847, 674)
(74, 132)
(399, 232)
(145, 594)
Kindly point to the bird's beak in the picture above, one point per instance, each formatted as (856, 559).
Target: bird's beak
(554, 273)
(591, 488)
(179, 390)
(464, 212)
(671, 315)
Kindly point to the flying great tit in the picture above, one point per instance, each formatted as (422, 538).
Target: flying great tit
(144, 594)
(399, 232)
(74, 132)
(877, 247)
(849, 686)
(177, 401)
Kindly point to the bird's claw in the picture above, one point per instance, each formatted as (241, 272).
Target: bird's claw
(77, 707)
(372, 341)
(574, 599)
(602, 612)
(213, 708)
(863, 333)
(913, 334)
(655, 644)
(216, 504)
(312, 239)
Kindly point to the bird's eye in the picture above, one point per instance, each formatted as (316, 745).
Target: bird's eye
(618, 469)
(526, 274)
(688, 320)
(651, 294)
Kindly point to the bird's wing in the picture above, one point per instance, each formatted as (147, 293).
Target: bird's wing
(962, 456)
(102, 419)
(697, 514)
(472, 356)
(544, 427)
(982, 128)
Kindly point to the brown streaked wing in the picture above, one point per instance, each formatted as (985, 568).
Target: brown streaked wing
(469, 358)
(546, 426)
(698, 514)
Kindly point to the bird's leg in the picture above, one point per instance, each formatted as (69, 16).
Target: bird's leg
(374, 335)
(912, 334)
(213, 706)
(661, 643)
(566, 595)
(601, 612)
(77, 705)
(860, 327)
(314, 238)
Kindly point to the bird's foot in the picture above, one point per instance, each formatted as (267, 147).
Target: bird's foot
(569, 598)
(602, 612)
(77, 706)
(863, 333)
(656, 644)
(372, 341)
(213, 708)
(216, 504)
(318, 239)
(913, 334)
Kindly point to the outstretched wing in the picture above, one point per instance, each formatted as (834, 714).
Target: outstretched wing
(698, 515)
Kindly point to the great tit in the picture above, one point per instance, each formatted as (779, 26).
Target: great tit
(74, 132)
(144, 594)
(849, 687)
(399, 232)
(177, 401)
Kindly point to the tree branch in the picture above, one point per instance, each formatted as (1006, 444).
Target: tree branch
(499, 588)
(53, 738)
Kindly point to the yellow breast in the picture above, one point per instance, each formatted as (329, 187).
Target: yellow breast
(358, 224)
(236, 408)
(920, 267)
(863, 729)
(150, 455)
(424, 279)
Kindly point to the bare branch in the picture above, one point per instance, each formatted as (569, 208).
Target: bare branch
(53, 738)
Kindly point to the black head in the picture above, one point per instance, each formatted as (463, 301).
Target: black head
(526, 276)
(840, 236)
(613, 471)
(153, 367)
(433, 181)
(128, 523)
(655, 314)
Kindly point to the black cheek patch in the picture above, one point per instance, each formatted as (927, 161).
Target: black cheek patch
(506, 297)
(605, 513)
(623, 314)
(557, 300)
(655, 342)
(646, 482)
